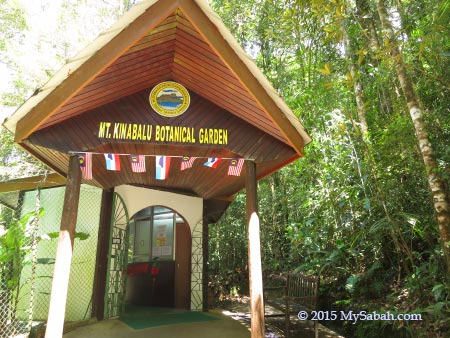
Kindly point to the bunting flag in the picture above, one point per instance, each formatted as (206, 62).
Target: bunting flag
(112, 162)
(212, 162)
(137, 163)
(85, 160)
(162, 164)
(187, 162)
(235, 166)
(162, 167)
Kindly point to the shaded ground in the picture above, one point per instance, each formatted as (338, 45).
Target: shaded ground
(231, 318)
(221, 327)
(239, 309)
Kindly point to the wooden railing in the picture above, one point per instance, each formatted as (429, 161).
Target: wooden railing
(291, 293)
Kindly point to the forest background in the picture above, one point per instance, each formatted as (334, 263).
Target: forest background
(367, 208)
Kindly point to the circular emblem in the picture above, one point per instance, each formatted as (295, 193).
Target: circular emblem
(169, 99)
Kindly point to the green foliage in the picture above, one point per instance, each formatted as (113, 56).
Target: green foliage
(15, 247)
(441, 308)
(14, 162)
(12, 23)
(227, 249)
(375, 329)
(78, 235)
(356, 209)
(368, 285)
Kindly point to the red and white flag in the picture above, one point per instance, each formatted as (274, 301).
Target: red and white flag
(137, 163)
(235, 167)
(212, 162)
(112, 162)
(187, 162)
(162, 167)
(85, 160)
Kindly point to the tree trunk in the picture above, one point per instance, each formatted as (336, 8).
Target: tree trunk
(357, 85)
(367, 21)
(435, 180)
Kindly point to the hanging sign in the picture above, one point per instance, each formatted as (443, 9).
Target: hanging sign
(169, 99)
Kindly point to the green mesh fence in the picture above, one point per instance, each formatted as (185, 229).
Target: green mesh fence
(29, 231)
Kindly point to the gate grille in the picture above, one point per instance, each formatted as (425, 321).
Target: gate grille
(117, 260)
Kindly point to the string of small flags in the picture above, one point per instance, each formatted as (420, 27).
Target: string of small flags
(162, 164)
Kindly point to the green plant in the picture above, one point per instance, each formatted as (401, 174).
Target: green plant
(375, 329)
(15, 247)
(441, 309)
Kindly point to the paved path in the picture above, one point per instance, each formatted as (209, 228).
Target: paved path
(275, 325)
(223, 327)
(230, 323)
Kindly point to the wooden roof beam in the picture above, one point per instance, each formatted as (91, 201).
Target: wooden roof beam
(31, 183)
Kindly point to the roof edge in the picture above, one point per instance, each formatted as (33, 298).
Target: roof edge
(73, 65)
(31, 183)
(113, 42)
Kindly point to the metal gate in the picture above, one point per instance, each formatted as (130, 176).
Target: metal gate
(117, 260)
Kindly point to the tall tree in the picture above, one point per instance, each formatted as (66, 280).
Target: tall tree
(358, 89)
(435, 180)
(356, 212)
(368, 23)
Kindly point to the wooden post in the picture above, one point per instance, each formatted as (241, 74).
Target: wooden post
(60, 284)
(254, 255)
(101, 267)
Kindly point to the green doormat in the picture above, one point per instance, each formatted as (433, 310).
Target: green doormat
(143, 318)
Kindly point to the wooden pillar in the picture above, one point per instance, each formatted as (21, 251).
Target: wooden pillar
(60, 285)
(101, 266)
(254, 255)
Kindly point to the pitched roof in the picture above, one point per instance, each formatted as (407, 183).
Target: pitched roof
(156, 41)
(86, 66)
